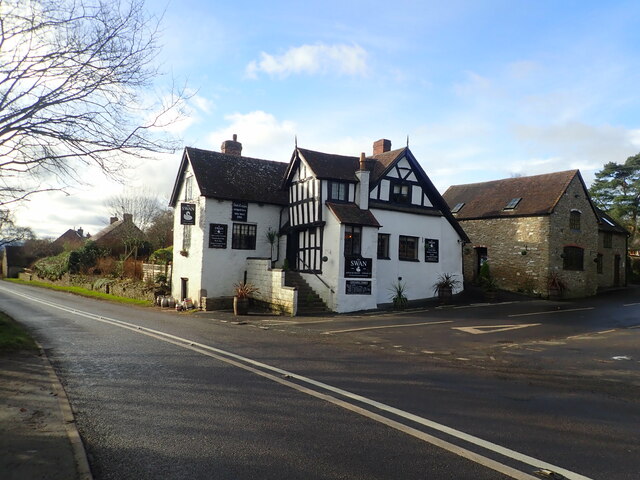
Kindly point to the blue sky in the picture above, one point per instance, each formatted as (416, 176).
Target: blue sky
(484, 90)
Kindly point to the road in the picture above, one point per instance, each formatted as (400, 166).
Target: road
(162, 395)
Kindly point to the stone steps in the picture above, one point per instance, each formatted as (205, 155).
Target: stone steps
(309, 302)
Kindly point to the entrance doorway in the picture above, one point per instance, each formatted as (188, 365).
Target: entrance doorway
(184, 288)
(292, 249)
(481, 258)
(616, 271)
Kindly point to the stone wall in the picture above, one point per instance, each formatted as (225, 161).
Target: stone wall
(120, 287)
(581, 283)
(517, 252)
(618, 247)
(271, 288)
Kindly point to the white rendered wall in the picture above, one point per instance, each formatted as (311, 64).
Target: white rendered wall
(419, 276)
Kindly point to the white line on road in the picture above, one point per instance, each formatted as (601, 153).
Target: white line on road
(253, 366)
(385, 326)
(630, 304)
(551, 311)
(482, 329)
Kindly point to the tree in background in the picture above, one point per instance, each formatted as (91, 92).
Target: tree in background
(76, 80)
(10, 233)
(616, 190)
(142, 204)
(160, 232)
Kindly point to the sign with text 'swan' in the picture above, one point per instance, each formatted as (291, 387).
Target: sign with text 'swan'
(187, 214)
(357, 267)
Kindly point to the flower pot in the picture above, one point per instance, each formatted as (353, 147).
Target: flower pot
(445, 294)
(240, 306)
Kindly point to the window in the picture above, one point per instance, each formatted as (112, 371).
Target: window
(352, 239)
(383, 245)
(574, 220)
(573, 258)
(457, 208)
(400, 192)
(408, 248)
(186, 237)
(513, 203)
(338, 191)
(599, 262)
(243, 236)
(188, 188)
(607, 241)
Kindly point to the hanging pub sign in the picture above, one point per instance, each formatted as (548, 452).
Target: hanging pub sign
(239, 211)
(217, 235)
(187, 214)
(358, 287)
(431, 250)
(357, 267)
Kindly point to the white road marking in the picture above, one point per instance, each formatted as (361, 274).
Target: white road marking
(630, 304)
(253, 366)
(385, 326)
(482, 329)
(551, 311)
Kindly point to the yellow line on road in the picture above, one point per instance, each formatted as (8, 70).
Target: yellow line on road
(385, 326)
(551, 311)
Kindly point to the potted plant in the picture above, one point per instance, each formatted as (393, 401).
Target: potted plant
(272, 238)
(398, 297)
(242, 291)
(444, 286)
(556, 285)
(490, 287)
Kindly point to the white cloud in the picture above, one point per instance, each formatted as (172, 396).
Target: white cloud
(341, 59)
(260, 133)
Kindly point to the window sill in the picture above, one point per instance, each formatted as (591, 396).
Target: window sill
(384, 258)
(417, 260)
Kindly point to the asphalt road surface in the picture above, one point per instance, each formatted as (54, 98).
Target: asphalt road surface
(162, 395)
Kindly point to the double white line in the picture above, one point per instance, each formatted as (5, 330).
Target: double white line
(326, 392)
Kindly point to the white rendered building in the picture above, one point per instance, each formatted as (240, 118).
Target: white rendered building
(351, 227)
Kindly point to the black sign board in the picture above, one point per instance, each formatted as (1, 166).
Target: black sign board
(431, 250)
(217, 235)
(187, 214)
(358, 287)
(239, 211)
(357, 267)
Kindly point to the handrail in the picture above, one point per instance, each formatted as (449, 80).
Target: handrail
(323, 282)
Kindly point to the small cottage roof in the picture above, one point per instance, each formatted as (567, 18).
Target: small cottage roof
(233, 177)
(608, 224)
(510, 197)
(351, 214)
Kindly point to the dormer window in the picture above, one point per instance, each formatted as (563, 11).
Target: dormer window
(513, 203)
(457, 207)
(400, 192)
(338, 191)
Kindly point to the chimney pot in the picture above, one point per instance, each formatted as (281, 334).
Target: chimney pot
(232, 147)
(80, 232)
(381, 146)
(363, 165)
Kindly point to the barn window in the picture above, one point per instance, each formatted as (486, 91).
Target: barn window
(573, 258)
(574, 220)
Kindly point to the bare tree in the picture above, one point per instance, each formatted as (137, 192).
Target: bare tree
(76, 78)
(141, 203)
(160, 232)
(10, 233)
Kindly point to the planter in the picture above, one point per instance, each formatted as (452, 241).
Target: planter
(240, 306)
(445, 294)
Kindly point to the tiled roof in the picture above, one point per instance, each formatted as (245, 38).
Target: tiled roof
(119, 227)
(539, 195)
(350, 213)
(608, 224)
(342, 167)
(230, 177)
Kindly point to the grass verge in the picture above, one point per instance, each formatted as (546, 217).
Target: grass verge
(85, 292)
(13, 337)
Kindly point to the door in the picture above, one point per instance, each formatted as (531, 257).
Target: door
(481, 258)
(616, 271)
(184, 288)
(292, 250)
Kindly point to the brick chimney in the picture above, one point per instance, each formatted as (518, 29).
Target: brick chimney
(80, 232)
(381, 146)
(113, 220)
(127, 217)
(362, 187)
(232, 147)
